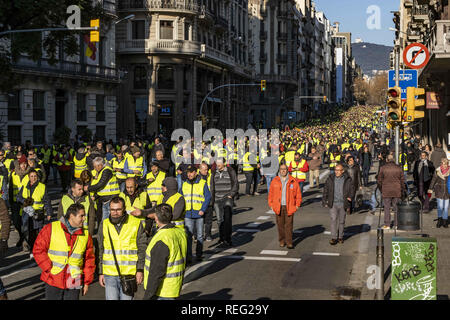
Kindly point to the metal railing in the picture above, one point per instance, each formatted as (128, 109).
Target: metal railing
(439, 40)
(66, 67)
(210, 52)
(185, 5)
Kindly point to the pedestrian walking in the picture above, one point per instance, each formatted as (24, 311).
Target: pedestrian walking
(423, 173)
(391, 182)
(165, 258)
(337, 196)
(65, 254)
(284, 199)
(226, 188)
(439, 186)
(355, 174)
(365, 161)
(314, 163)
(5, 224)
(122, 244)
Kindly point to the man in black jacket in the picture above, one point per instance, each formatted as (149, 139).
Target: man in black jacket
(355, 174)
(226, 187)
(337, 196)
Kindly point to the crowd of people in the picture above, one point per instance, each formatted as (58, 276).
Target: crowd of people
(131, 212)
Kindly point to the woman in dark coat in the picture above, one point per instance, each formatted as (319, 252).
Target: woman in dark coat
(423, 173)
(439, 186)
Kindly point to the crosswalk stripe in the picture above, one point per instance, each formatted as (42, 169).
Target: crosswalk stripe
(221, 256)
(247, 230)
(253, 225)
(270, 212)
(274, 252)
(326, 254)
(298, 231)
(327, 232)
(263, 218)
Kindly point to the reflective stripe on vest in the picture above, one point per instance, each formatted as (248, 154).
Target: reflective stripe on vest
(298, 174)
(59, 249)
(154, 189)
(119, 165)
(171, 202)
(38, 195)
(67, 201)
(246, 165)
(193, 195)
(125, 247)
(337, 158)
(111, 188)
(80, 166)
(175, 239)
(137, 164)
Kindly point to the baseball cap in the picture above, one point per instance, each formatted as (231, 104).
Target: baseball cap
(191, 168)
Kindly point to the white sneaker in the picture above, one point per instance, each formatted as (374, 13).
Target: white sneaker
(257, 194)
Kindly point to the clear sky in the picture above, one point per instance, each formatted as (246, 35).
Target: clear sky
(353, 16)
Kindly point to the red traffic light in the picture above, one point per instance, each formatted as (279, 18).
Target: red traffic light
(393, 93)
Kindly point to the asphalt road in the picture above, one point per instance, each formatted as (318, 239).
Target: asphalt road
(256, 267)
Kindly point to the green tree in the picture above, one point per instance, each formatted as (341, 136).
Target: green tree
(32, 14)
(62, 135)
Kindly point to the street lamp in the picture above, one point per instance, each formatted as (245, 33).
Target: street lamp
(130, 17)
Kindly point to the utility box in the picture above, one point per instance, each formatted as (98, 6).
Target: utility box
(414, 264)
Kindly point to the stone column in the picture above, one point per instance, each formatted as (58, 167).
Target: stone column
(152, 120)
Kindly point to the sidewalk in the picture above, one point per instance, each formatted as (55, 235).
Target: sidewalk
(429, 229)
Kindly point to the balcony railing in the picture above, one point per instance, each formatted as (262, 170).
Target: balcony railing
(109, 6)
(211, 53)
(159, 46)
(160, 5)
(439, 41)
(66, 67)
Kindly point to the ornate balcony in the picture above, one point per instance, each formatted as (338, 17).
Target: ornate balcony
(183, 47)
(210, 53)
(184, 6)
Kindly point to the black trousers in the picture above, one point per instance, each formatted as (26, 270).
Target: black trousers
(54, 293)
(47, 171)
(226, 226)
(250, 177)
(208, 221)
(65, 179)
(366, 176)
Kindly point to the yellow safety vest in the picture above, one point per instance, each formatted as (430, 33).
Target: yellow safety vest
(119, 165)
(154, 189)
(58, 251)
(289, 157)
(337, 158)
(139, 202)
(125, 247)
(111, 188)
(179, 223)
(80, 166)
(7, 164)
(46, 154)
(298, 174)
(137, 164)
(67, 201)
(193, 194)
(400, 160)
(38, 195)
(17, 184)
(247, 167)
(175, 239)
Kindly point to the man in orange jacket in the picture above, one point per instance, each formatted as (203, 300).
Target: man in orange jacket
(284, 199)
(64, 252)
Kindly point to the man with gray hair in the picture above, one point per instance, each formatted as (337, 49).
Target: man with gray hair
(105, 187)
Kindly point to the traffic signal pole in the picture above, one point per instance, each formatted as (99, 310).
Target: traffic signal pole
(397, 83)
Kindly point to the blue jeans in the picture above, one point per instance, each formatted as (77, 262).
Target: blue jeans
(300, 184)
(442, 208)
(180, 182)
(191, 226)
(113, 289)
(162, 298)
(2, 288)
(105, 210)
(269, 179)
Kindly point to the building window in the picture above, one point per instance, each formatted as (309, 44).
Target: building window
(100, 132)
(165, 78)
(38, 106)
(14, 109)
(80, 130)
(38, 135)
(81, 107)
(186, 31)
(140, 78)
(15, 135)
(138, 29)
(100, 107)
(166, 30)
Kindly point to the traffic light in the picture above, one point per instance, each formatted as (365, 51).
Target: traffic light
(412, 103)
(394, 104)
(263, 85)
(95, 35)
(324, 99)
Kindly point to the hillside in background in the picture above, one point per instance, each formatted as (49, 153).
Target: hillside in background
(371, 56)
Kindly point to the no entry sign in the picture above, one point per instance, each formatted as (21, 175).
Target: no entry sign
(416, 56)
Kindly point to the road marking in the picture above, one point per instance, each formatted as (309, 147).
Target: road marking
(327, 232)
(274, 252)
(12, 265)
(318, 196)
(298, 231)
(326, 254)
(270, 212)
(218, 256)
(232, 250)
(263, 218)
(31, 264)
(253, 224)
(247, 230)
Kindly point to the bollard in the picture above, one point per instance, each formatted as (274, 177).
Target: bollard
(380, 263)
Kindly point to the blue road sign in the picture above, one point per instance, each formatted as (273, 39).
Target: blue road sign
(408, 78)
